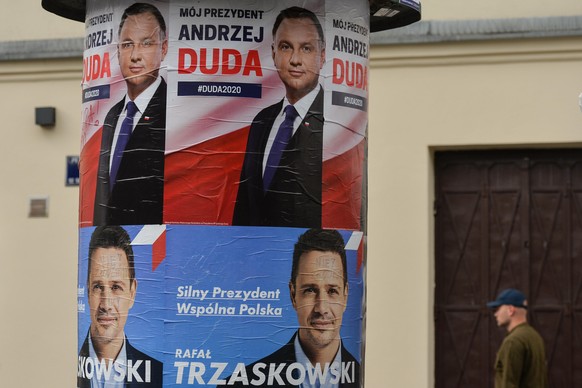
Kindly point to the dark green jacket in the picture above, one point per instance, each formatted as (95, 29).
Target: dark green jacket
(521, 360)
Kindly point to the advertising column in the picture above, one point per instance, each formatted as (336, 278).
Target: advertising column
(222, 209)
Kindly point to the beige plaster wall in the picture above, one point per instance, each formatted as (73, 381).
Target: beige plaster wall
(38, 260)
(492, 9)
(449, 96)
(422, 98)
(26, 20)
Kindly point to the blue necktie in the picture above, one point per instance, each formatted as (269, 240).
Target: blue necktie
(122, 139)
(281, 140)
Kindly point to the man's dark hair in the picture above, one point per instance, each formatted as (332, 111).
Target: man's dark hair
(139, 8)
(112, 237)
(320, 240)
(298, 13)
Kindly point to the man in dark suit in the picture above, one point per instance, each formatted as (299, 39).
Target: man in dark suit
(106, 355)
(319, 293)
(130, 178)
(280, 183)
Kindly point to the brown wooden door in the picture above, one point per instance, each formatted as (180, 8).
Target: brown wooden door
(507, 219)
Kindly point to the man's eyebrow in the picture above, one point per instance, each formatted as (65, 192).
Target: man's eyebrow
(114, 281)
(307, 42)
(315, 285)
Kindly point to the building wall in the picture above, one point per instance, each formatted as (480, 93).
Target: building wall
(426, 98)
(452, 94)
(27, 20)
(493, 9)
(39, 256)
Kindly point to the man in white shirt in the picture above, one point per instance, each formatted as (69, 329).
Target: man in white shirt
(315, 355)
(106, 358)
(280, 182)
(130, 178)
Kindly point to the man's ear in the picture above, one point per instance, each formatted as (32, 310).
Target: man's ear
(164, 48)
(132, 292)
(273, 52)
(346, 293)
(292, 295)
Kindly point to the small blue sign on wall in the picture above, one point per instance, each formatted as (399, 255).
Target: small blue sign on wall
(72, 171)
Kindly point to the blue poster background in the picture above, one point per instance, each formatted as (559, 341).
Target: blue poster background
(174, 324)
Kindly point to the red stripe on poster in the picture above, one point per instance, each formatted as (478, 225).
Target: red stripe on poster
(342, 189)
(159, 251)
(88, 165)
(202, 180)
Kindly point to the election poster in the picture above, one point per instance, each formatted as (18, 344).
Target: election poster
(211, 83)
(222, 193)
(124, 93)
(214, 305)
